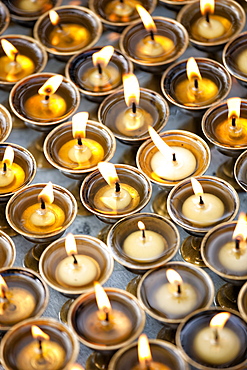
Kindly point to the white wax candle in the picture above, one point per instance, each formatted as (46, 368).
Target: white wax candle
(203, 214)
(6, 178)
(145, 249)
(232, 259)
(79, 153)
(210, 30)
(166, 168)
(84, 272)
(116, 200)
(219, 352)
(43, 217)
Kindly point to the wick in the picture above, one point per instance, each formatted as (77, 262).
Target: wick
(143, 234)
(15, 57)
(117, 187)
(42, 205)
(133, 108)
(47, 97)
(216, 335)
(4, 294)
(106, 311)
(196, 85)
(234, 121)
(174, 157)
(207, 17)
(237, 244)
(59, 25)
(99, 68)
(5, 167)
(79, 142)
(148, 365)
(121, 1)
(201, 202)
(75, 260)
(179, 291)
(40, 347)
(152, 35)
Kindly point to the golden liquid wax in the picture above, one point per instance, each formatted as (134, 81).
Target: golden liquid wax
(37, 107)
(224, 132)
(227, 25)
(33, 6)
(14, 71)
(158, 50)
(132, 125)
(120, 12)
(95, 148)
(72, 36)
(109, 79)
(19, 178)
(188, 95)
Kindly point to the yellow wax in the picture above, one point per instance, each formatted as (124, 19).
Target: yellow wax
(106, 81)
(105, 200)
(97, 154)
(206, 214)
(230, 135)
(152, 366)
(30, 358)
(155, 50)
(133, 124)
(19, 305)
(188, 95)
(37, 107)
(83, 273)
(217, 27)
(72, 36)
(232, 259)
(120, 12)
(18, 175)
(57, 215)
(226, 349)
(241, 61)
(14, 71)
(32, 6)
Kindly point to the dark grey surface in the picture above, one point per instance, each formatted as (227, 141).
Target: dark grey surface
(91, 225)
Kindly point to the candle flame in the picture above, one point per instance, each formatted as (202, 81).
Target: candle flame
(79, 122)
(240, 231)
(47, 194)
(219, 320)
(146, 18)
(108, 171)
(207, 6)
(3, 287)
(196, 186)
(141, 225)
(51, 85)
(144, 352)
(8, 157)
(38, 334)
(173, 277)
(54, 17)
(75, 367)
(193, 70)
(102, 300)
(164, 149)
(70, 244)
(9, 49)
(103, 56)
(131, 89)
(233, 107)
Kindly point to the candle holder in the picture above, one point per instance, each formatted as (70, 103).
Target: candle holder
(159, 303)
(230, 17)
(228, 266)
(173, 79)
(26, 13)
(163, 352)
(239, 171)
(233, 57)
(81, 29)
(190, 249)
(34, 62)
(27, 198)
(177, 138)
(80, 67)
(27, 89)
(4, 18)
(112, 114)
(27, 295)
(134, 180)
(87, 246)
(176, 5)
(166, 27)
(116, 15)
(216, 129)
(58, 352)
(200, 320)
(7, 250)
(5, 123)
(242, 301)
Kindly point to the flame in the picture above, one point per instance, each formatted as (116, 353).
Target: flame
(219, 320)
(51, 85)
(233, 107)
(141, 225)
(47, 194)
(207, 6)
(9, 49)
(37, 333)
(108, 171)
(79, 122)
(241, 228)
(131, 89)
(70, 244)
(173, 277)
(146, 18)
(159, 143)
(193, 70)
(102, 300)
(54, 17)
(196, 186)
(103, 56)
(8, 156)
(3, 287)
(144, 353)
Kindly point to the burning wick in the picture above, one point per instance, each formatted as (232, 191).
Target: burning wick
(117, 188)
(201, 202)
(141, 226)
(55, 20)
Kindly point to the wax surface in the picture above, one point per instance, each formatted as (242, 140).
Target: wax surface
(146, 249)
(218, 27)
(120, 12)
(31, 6)
(37, 107)
(158, 50)
(165, 168)
(232, 136)
(203, 215)
(152, 366)
(14, 71)
(133, 124)
(241, 61)
(18, 175)
(71, 37)
(233, 260)
(83, 273)
(208, 351)
(93, 81)
(65, 157)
